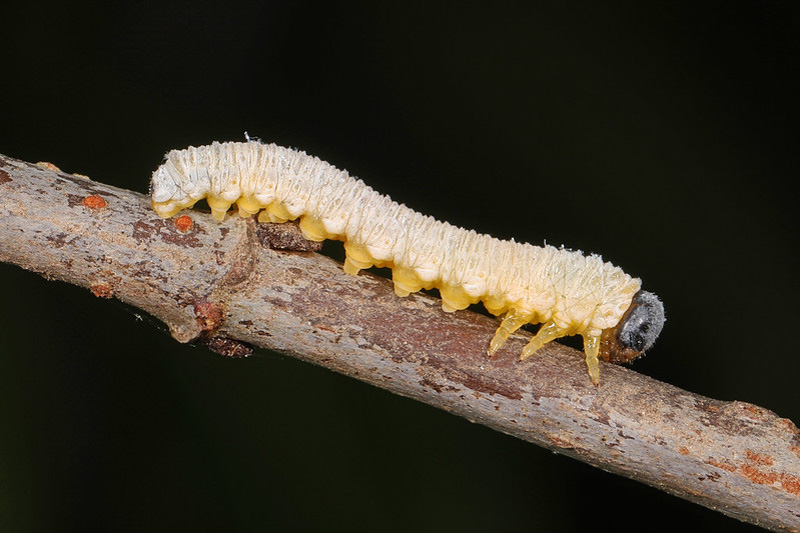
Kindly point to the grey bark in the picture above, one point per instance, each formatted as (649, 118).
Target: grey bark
(220, 283)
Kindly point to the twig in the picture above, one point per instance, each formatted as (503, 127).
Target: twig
(218, 282)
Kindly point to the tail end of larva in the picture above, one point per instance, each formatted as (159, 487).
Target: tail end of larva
(166, 209)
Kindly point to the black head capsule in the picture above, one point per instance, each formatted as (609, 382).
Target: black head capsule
(637, 330)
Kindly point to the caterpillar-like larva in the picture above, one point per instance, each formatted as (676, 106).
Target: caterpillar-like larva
(568, 292)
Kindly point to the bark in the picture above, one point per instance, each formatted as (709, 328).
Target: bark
(222, 283)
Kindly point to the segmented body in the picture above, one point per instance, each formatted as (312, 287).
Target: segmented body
(568, 292)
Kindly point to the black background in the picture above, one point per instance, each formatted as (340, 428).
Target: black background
(662, 135)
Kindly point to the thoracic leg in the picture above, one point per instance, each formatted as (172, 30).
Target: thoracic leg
(591, 345)
(548, 332)
(511, 323)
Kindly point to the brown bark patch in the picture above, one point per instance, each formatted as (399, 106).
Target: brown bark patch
(208, 315)
(286, 236)
(148, 230)
(59, 239)
(74, 200)
(227, 347)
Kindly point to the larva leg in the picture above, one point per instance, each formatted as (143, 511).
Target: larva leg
(218, 207)
(274, 212)
(312, 229)
(548, 332)
(453, 298)
(591, 345)
(247, 206)
(405, 281)
(496, 306)
(511, 323)
(351, 267)
(356, 258)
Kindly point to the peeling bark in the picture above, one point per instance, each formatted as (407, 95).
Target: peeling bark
(222, 285)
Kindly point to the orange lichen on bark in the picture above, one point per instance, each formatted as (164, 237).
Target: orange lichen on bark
(722, 465)
(759, 459)
(101, 290)
(184, 223)
(788, 482)
(94, 202)
(46, 165)
(561, 442)
(789, 425)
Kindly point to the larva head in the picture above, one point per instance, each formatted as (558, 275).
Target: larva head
(637, 330)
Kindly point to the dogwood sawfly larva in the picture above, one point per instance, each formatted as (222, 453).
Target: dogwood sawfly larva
(568, 292)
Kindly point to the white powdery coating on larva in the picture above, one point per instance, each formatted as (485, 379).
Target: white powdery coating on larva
(582, 294)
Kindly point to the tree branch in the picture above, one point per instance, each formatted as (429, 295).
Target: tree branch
(218, 282)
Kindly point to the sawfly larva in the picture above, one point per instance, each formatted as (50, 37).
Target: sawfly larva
(568, 292)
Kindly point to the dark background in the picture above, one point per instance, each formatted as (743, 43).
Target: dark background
(662, 135)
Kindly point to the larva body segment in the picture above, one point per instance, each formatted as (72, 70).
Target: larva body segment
(568, 292)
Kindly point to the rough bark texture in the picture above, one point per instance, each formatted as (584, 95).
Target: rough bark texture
(220, 283)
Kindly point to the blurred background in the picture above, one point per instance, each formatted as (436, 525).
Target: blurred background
(662, 135)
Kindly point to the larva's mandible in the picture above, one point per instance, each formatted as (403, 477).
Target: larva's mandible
(568, 292)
